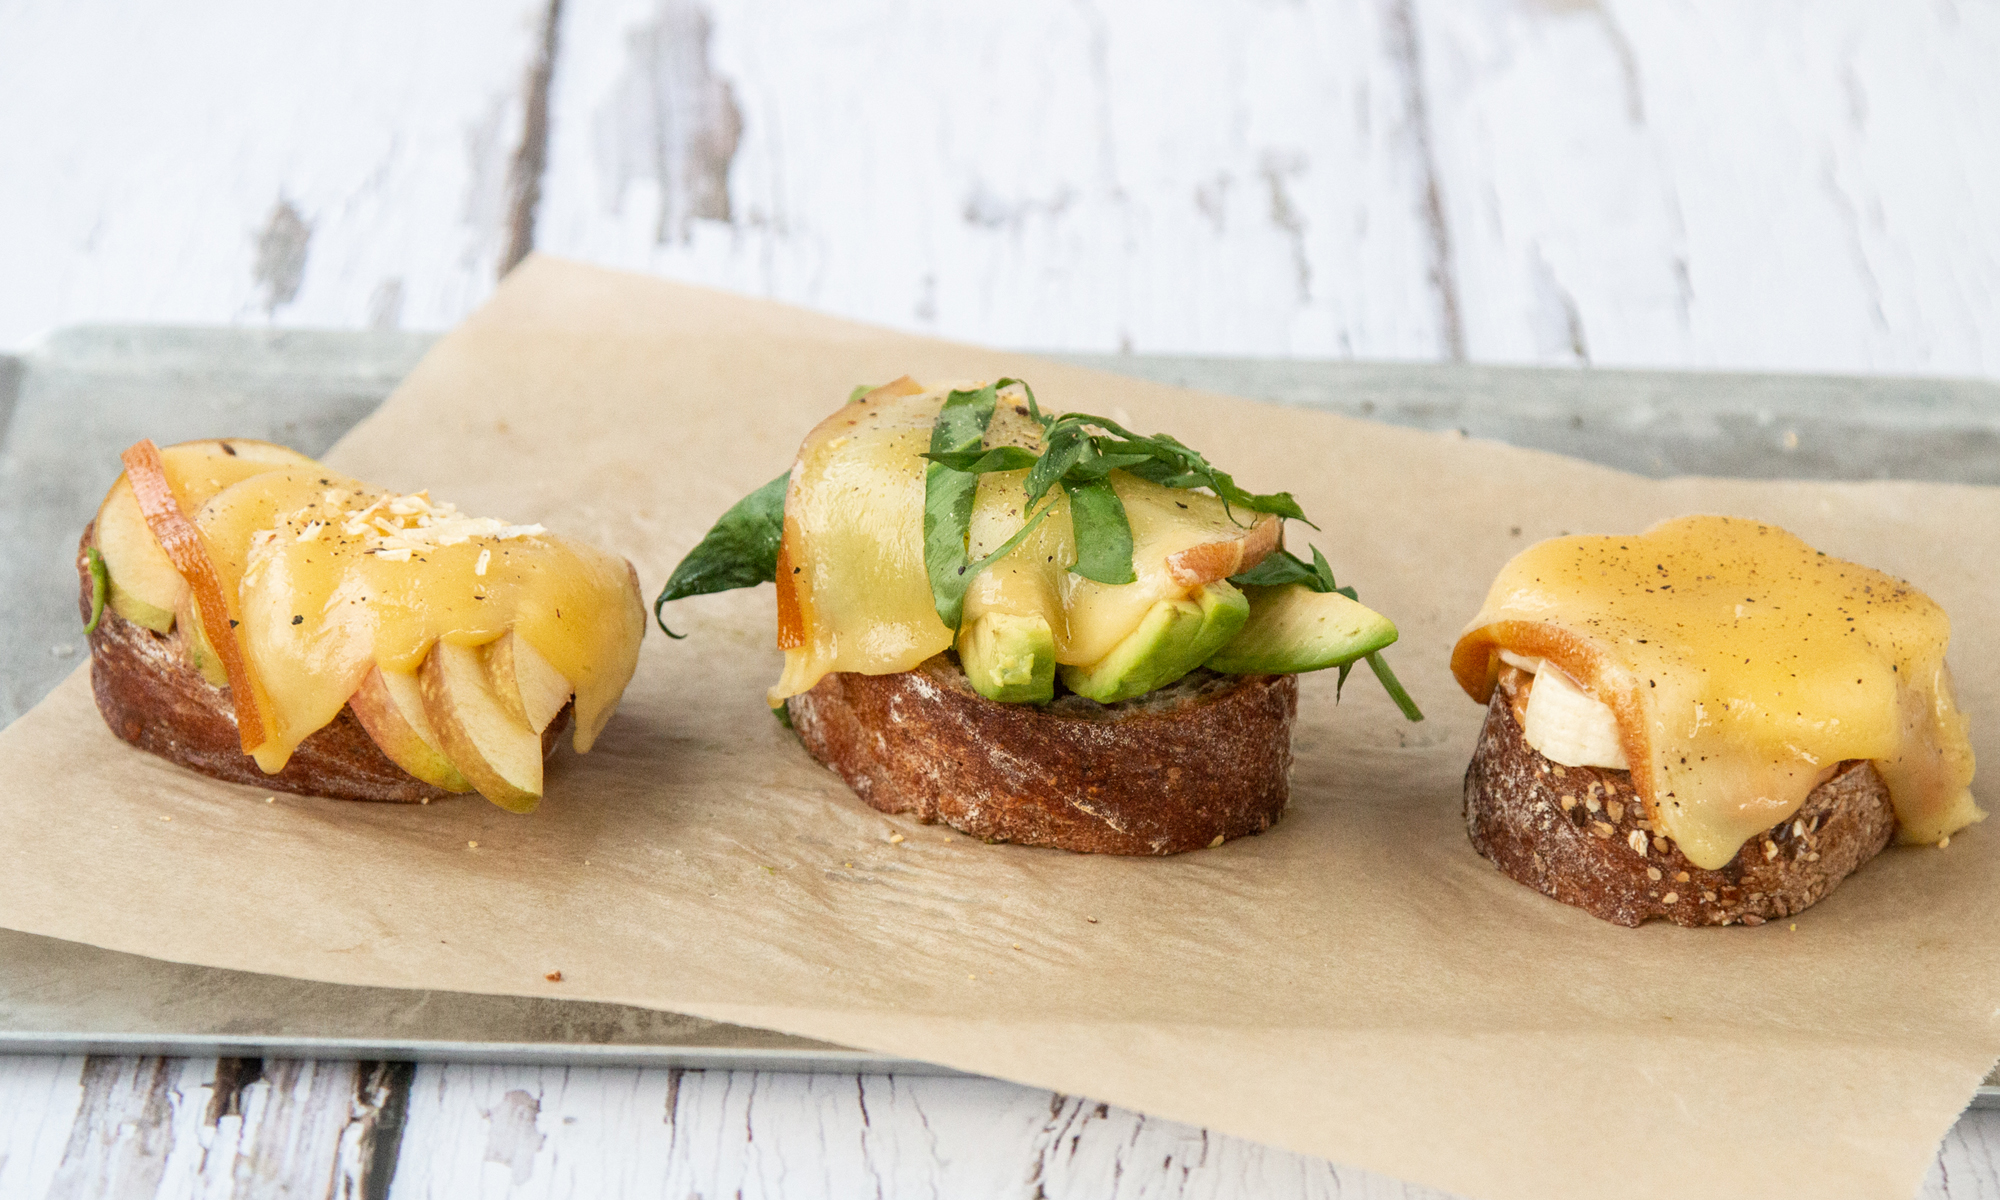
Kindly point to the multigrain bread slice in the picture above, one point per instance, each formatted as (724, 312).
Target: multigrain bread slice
(151, 696)
(1581, 835)
(1191, 765)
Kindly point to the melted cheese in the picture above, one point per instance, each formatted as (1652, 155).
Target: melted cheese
(327, 577)
(853, 545)
(1741, 664)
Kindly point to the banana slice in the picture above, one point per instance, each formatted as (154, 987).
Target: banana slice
(1570, 726)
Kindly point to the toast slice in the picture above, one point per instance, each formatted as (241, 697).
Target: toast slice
(1582, 836)
(1190, 765)
(151, 696)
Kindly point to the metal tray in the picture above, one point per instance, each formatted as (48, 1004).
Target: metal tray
(71, 403)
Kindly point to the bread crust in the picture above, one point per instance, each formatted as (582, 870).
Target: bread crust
(1188, 766)
(151, 696)
(1573, 833)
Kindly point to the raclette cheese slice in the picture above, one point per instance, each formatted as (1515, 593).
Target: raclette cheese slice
(1741, 663)
(326, 577)
(854, 594)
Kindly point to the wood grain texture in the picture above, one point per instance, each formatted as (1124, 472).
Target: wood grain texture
(553, 1132)
(72, 1128)
(344, 165)
(1691, 183)
(136, 1129)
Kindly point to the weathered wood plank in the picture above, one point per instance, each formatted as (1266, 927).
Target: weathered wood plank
(1796, 186)
(39, 1098)
(1791, 186)
(1145, 175)
(347, 165)
(118, 1128)
(1968, 1164)
(143, 1128)
(1696, 183)
(551, 1132)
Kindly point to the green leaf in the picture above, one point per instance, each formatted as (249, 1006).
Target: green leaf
(1324, 570)
(986, 462)
(1280, 567)
(1062, 448)
(741, 551)
(948, 496)
(100, 587)
(1394, 687)
(1103, 534)
(860, 390)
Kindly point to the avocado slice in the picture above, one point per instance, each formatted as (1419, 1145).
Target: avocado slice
(1175, 637)
(1293, 628)
(1009, 658)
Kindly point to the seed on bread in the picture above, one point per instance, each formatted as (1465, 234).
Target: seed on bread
(1845, 821)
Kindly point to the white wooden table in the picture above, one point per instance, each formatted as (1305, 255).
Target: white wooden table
(1803, 185)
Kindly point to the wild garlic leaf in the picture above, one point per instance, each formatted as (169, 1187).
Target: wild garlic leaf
(741, 551)
(948, 496)
(1280, 567)
(1394, 687)
(1103, 533)
(986, 462)
(1062, 448)
(1324, 571)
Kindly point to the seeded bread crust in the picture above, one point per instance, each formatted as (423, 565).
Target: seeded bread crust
(1581, 835)
(150, 696)
(1191, 765)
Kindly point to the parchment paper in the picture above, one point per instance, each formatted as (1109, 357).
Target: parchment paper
(1356, 983)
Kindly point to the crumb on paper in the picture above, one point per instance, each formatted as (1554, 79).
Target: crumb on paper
(1092, 920)
(895, 839)
(553, 977)
(1217, 842)
(1017, 945)
(1944, 841)
(472, 845)
(1795, 926)
(423, 800)
(274, 800)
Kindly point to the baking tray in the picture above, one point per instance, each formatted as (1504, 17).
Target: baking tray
(73, 401)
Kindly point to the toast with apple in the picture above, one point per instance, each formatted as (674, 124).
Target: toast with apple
(259, 618)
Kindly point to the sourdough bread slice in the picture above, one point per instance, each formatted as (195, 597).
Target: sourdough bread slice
(1582, 835)
(1190, 765)
(151, 696)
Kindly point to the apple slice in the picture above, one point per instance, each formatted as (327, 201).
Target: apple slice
(495, 750)
(390, 706)
(187, 550)
(145, 586)
(527, 685)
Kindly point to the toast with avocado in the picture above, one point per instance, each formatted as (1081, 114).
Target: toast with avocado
(1039, 629)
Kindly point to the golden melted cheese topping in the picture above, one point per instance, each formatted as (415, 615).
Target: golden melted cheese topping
(1741, 663)
(329, 576)
(854, 519)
